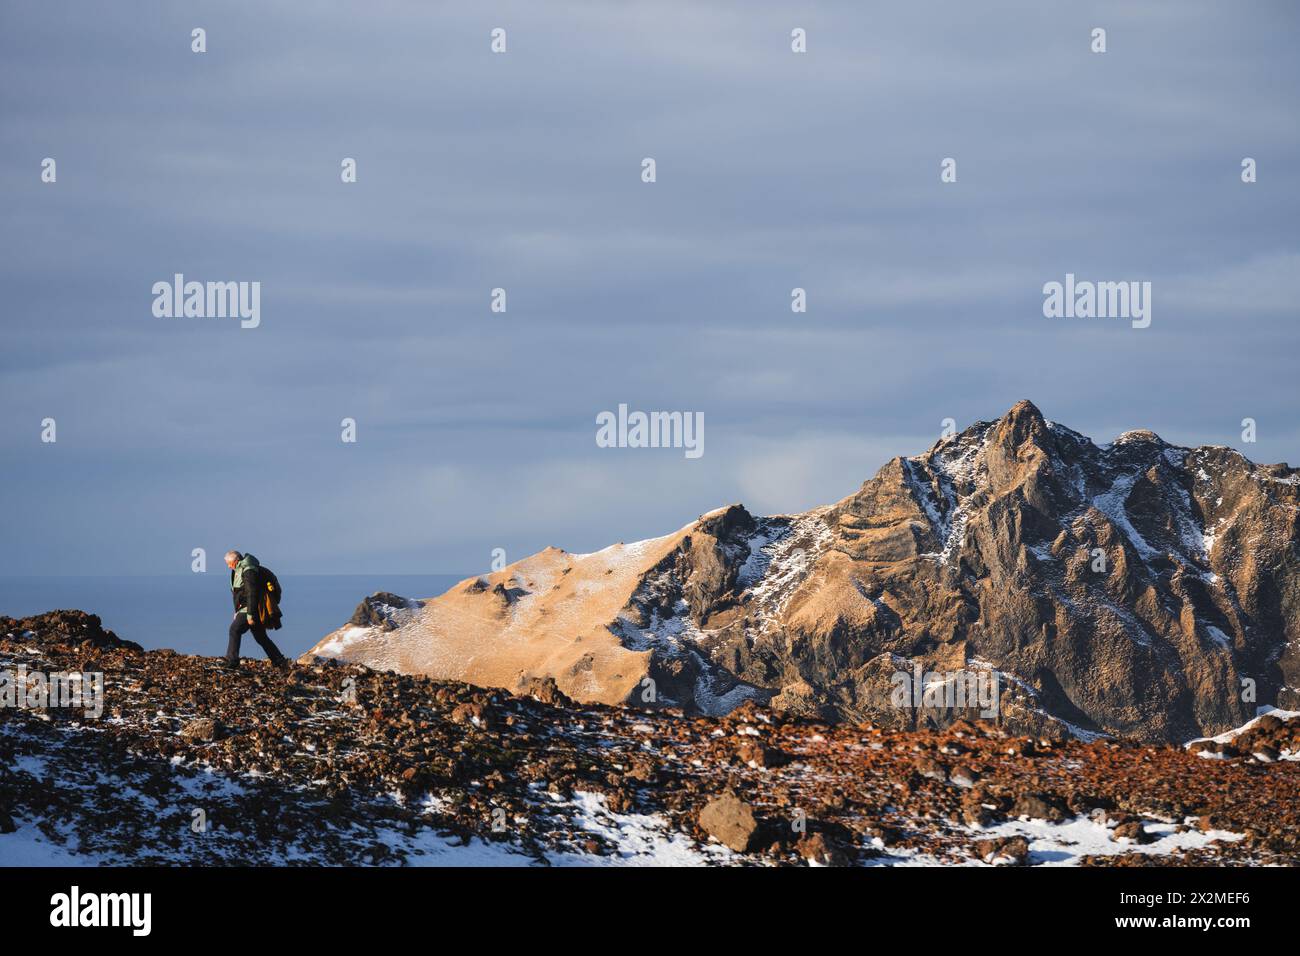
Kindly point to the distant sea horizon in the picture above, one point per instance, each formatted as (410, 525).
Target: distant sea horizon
(190, 613)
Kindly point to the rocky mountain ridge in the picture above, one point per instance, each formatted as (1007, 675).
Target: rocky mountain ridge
(1132, 589)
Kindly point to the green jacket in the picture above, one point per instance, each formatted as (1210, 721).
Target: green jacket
(237, 582)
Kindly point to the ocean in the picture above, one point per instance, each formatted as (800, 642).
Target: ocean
(191, 613)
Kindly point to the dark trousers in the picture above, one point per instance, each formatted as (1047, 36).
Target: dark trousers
(238, 628)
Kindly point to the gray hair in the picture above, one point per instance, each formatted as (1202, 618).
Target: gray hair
(233, 554)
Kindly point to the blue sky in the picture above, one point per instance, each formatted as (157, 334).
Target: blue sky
(477, 430)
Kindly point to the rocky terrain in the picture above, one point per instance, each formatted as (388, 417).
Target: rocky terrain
(334, 763)
(1135, 589)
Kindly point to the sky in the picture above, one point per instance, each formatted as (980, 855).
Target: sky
(522, 170)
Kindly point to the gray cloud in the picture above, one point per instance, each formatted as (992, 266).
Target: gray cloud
(522, 171)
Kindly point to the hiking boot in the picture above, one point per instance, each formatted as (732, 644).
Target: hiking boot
(228, 665)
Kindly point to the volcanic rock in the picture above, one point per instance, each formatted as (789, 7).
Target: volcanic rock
(816, 848)
(1134, 832)
(1037, 806)
(730, 821)
(201, 730)
(380, 757)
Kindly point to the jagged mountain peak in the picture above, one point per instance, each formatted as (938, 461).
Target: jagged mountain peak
(1132, 588)
(1022, 423)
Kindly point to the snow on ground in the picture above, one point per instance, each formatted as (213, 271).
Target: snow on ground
(1080, 733)
(1210, 535)
(1219, 637)
(642, 839)
(780, 559)
(761, 543)
(1229, 735)
(638, 839)
(429, 849)
(1111, 504)
(1064, 844)
(635, 551)
(28, 846)
(713, 703)
(342, 638)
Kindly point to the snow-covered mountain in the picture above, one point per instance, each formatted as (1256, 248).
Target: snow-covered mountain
(1135, 588)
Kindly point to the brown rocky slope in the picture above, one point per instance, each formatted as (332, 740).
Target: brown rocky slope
(338, 764)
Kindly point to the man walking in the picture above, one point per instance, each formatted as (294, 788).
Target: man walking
(256, 594)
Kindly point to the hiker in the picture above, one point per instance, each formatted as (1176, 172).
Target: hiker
(256, 593)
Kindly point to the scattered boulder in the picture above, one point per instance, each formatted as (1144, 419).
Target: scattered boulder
(1003, 851)
(976, 810)
(469, 712)
(1083, 804)
(544, 689)
(931, 769)
(964, 776)
(819, 850)
(1134, 832)
(1268, 722)
(750, 751)
(201, 730)
(730, 821)
(1038, 806)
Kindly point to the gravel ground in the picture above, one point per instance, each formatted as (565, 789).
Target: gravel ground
(340, 765)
